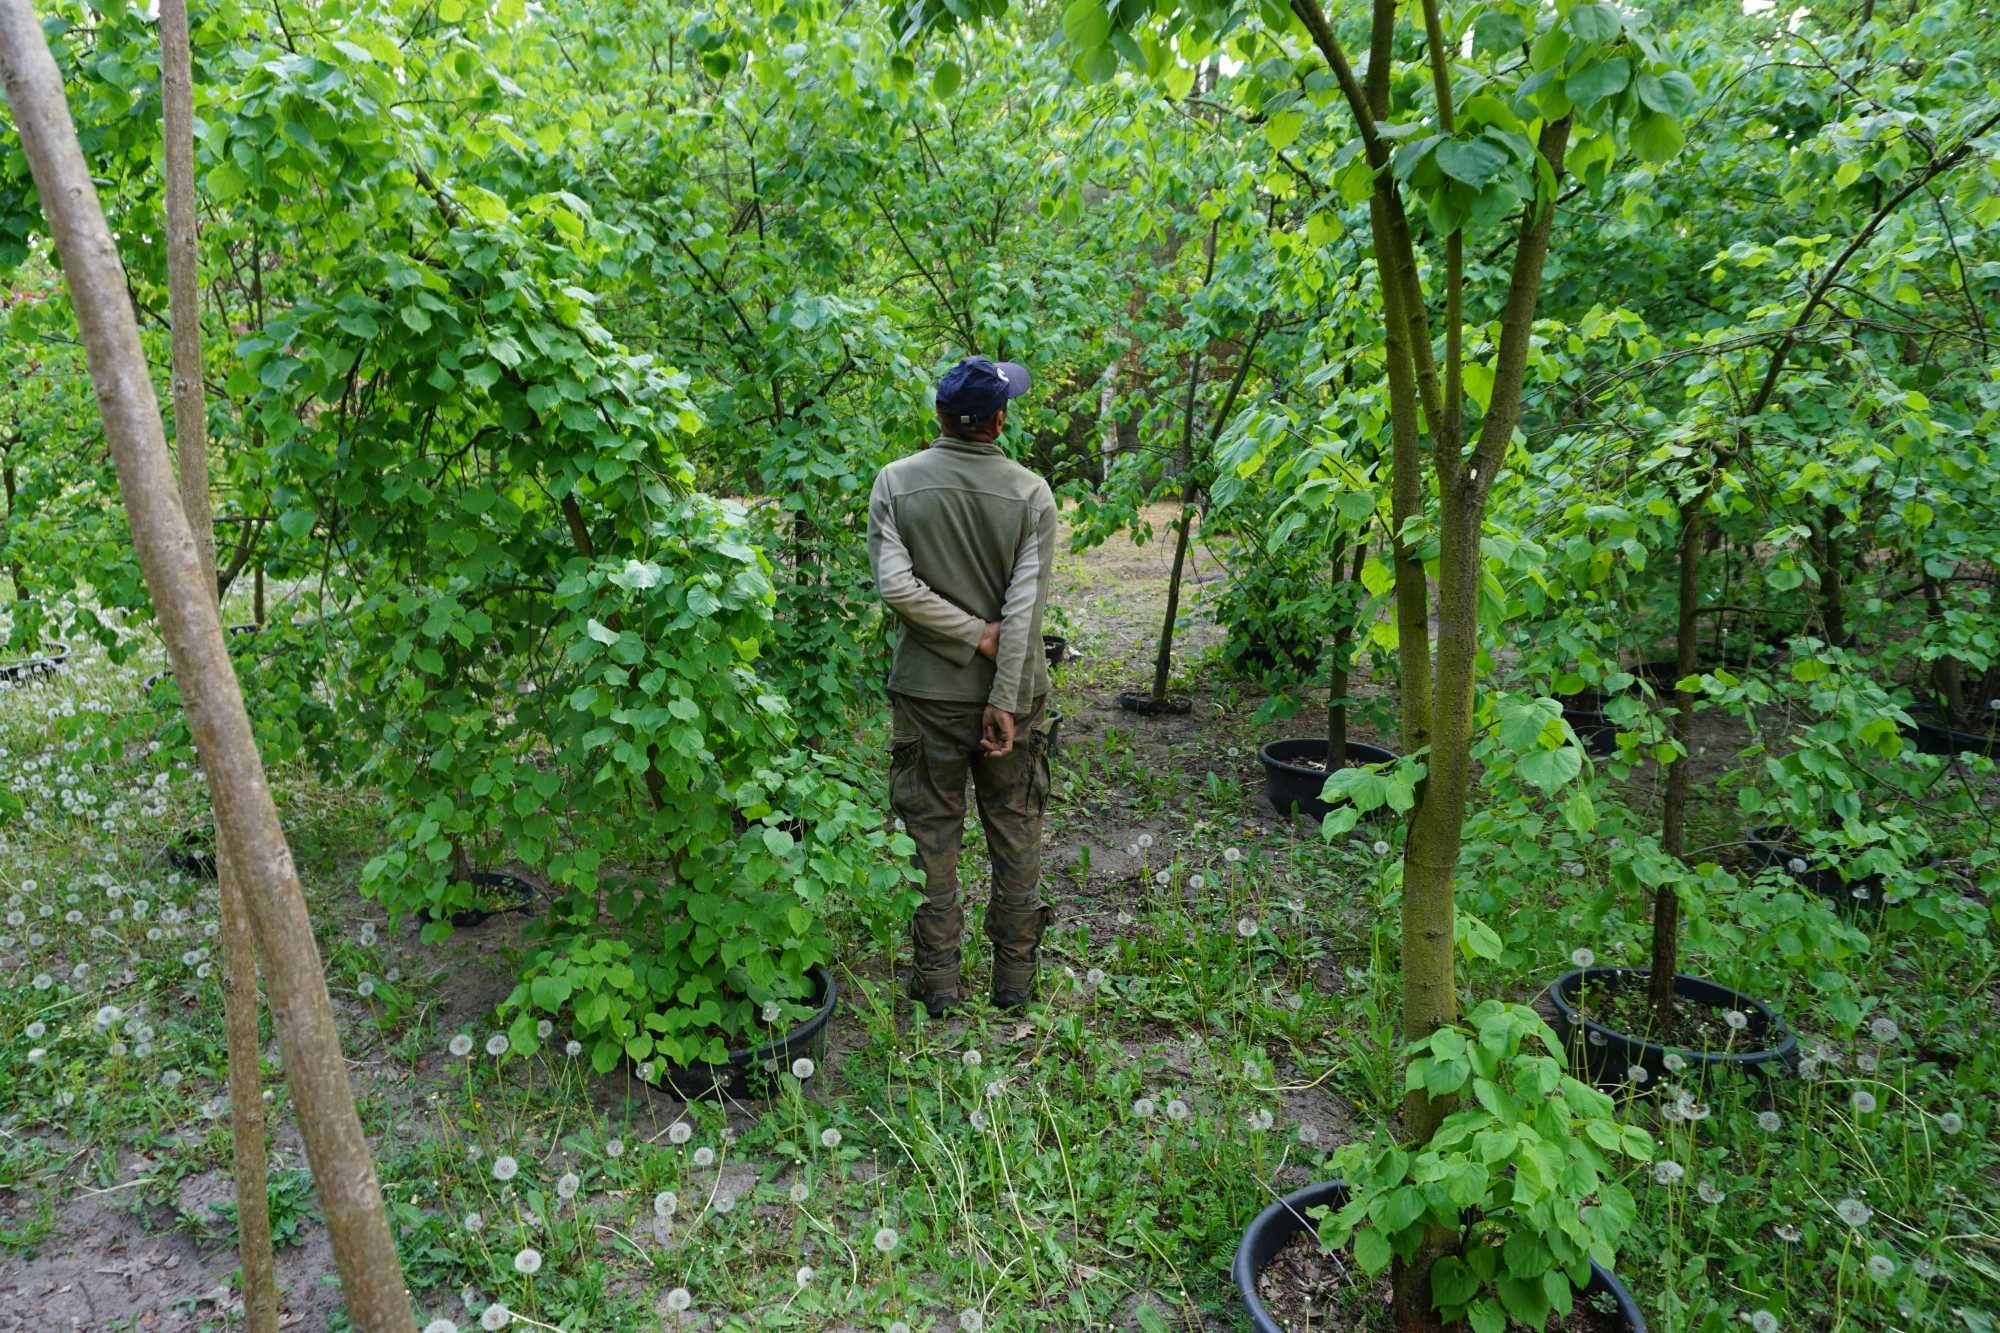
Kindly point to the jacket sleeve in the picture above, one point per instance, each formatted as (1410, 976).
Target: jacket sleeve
(1021, 614)
(945, 628)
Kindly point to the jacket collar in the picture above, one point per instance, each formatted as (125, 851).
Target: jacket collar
(956, 445)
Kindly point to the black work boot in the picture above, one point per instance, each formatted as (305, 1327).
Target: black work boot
(937, 1003)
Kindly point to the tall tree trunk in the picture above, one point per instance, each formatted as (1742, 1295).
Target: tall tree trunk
(1833, 594)
(239, 956)
(1673, 833)
(7, 483)
(1946, 676)
(1342, 654)
(1163, 660)
(183, 594)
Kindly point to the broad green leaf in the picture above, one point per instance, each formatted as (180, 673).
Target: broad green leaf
(1474, 161)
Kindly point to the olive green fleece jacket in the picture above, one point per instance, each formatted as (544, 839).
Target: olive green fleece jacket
(961, 535)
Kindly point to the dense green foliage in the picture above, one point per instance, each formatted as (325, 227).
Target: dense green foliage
(553, 349)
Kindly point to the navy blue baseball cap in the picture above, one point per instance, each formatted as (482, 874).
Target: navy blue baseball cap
(976, 388)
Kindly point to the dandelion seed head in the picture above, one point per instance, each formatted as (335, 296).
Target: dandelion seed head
(1787, 1233)
(679, 1299)
(885, 1239)
(460, 1045)
(1381, 847)
(1094, 978)
(528, 1261)
(1145, 840)
(1638, 1074)
(1177, 1110)
(1950, 1122)
(1582, 957)
(1673, 1062)
(1854, 1212)
(971, 1321)
(545, 1029)
(680, 1133)
(572, 1049)
(567, 1185)
(1736, 1019)
(1797, 865)
(1881, 1267)
(496, 1316)
(440, 1326)
(1162, 878)
(473, 1222)
(829, 1137)
(505, 1168)
(615, 1149)
(1246, 927)
(1231, 855)
(704, 1156)
(803, 1277)
(799, 1192)
(1666, 1171)
(496, 1045)
(725, 1203)
(665, 1204)
(1763, 1321)
(803, 1068)
(1142, 1107)
(1196, 883)
(1769, 1121)
(1884, 1030)
(1863, 1102)
(1708, 1192)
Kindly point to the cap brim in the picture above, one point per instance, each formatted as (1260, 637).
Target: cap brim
(1016, 376)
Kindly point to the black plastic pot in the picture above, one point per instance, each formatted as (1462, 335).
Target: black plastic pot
(1933, 735)
(1605, 1055)
(1143, 703)
(1772, 845)
(1584, 711)
(1274, 1228)
(192, 852)
(513, 894)
(31, 669)
(1293, 788)
(751, 1074)
(1056, 648)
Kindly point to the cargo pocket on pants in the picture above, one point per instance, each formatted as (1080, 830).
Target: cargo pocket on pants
(906, 759)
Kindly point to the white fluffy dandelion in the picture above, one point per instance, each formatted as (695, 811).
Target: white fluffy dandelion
(665, 1204)
(829, 1137)
(803, 1278)
(679, 1299)
(1736, 1019)
(1246, 927)
(460, 1046)
(505, 1168)
(1884, 1030)
(1881, 1267)
(567, 1185)
(704, 1156)
(803, 1068)
(971, 1059)
(1769, 1121)
(1142, 1107)
(680, 1132)
(1666, 1171)
(615, 1149)
(886, 1240)
(1582, 957)
(1380, 848)
(496, 1316)
(971, 1321)
(1854, 1212)
(528, 1261)
(496, 1045)
(1950, 1122)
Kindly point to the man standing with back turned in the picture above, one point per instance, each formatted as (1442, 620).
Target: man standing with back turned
(963, 543)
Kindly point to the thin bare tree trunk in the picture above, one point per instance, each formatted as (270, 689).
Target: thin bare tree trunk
(183, 594)
(239, 955)
(1673, 833)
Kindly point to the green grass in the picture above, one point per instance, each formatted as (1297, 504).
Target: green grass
(1202, 1043)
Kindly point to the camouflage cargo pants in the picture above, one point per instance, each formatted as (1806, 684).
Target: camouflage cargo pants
(935, 748)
